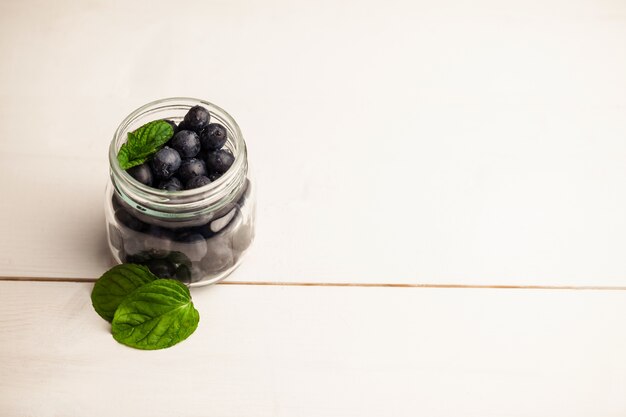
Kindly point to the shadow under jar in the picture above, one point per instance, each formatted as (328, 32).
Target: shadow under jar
(197, 236)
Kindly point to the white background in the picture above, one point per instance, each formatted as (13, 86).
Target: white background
(440, 143)
(419, 142)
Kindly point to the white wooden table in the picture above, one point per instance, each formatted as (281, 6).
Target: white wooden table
(441, 207)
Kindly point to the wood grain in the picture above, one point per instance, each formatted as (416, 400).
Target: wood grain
(353, 284)
(321, 351)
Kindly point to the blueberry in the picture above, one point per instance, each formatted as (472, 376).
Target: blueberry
(162, 268)
(134, 258)
(172, 184)
(219, 256)
(188, 236)
(197, 118)
(144, 256)
(141, 173)
(130, 221)
(190, 168)
(197, 182)
(219, 161)
(192, 245)
(160, 232)
(133, 245)
(187, 143)
(220, 223)
(239, 232)
(156, 245)
(115, 202)
(180, 235)
(178, 258)
(214, 175)
(213, 137)
(243, 237)
(185, 235)
(183, 274)
(165, 162)
(153, 253)
(158, 241)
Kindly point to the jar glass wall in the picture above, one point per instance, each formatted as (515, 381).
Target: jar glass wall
(197, 236)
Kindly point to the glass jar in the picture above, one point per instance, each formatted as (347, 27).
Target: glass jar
(197, 236)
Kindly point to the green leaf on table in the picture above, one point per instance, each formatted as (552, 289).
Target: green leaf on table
(115, 285)
(143, 142)
(156, 316)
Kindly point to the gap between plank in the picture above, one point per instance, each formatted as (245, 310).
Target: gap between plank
(349, 284)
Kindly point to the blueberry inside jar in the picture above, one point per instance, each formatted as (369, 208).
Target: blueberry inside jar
(180, 200)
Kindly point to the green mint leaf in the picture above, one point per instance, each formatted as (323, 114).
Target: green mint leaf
(115, 285)
(143, 142)
(155, 316)
(125, 157)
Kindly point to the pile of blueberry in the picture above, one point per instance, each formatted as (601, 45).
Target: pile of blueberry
(190, 250)
(187, 252)
(193, 157)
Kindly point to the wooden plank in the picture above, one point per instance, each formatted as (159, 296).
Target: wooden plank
(417, 142)
(319, 351)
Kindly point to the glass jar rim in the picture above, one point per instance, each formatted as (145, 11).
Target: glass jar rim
(194, 199)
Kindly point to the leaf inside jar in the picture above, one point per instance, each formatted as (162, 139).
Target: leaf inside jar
(144, 142)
